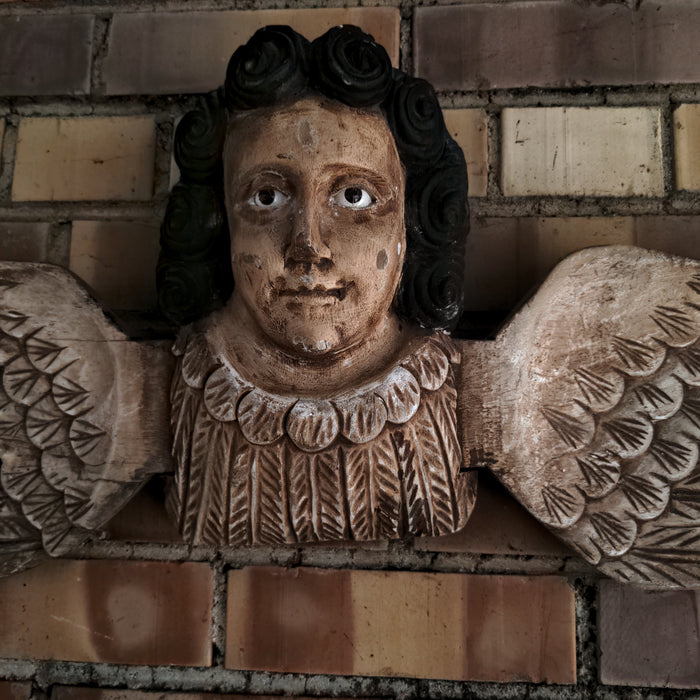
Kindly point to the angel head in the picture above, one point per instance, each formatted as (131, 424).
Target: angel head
(323, 183)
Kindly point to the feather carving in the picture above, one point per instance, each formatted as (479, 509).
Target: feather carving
(626, 494)
(61, 475)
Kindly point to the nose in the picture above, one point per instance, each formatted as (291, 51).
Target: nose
(305, 245)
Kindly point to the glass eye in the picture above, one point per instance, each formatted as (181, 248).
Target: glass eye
(353, 197)
(268, 198)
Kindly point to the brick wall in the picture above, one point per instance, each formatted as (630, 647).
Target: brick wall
(581, 126)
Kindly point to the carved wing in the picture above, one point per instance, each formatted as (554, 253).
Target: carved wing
(597, 382)
(82, 423)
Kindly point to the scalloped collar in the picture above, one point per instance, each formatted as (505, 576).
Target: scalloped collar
(313, 424)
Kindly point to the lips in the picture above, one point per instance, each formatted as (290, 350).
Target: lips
(338, 292)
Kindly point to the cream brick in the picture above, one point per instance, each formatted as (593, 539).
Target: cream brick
(613, 151)
(84, 158)
(117, 259)
(686, 131)
(468, 128)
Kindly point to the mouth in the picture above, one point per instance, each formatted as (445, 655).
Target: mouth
(320, 292)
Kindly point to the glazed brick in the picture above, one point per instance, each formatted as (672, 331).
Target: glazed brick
(649, 638)
(508, 257)
(686, 133)
(84, 158)
(154, 613)
(13, 690)
(25, 242)
(468, 127)
(375, 623)
(557, 44)
(45, 55)
(175, 52)
(143, 519)
(117, 259)
(613, 151)
(498, 525)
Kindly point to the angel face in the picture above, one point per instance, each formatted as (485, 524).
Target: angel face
(314, 196)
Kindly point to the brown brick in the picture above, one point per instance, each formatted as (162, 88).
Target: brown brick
(45, 55)
(609, 151)
(174, 52)
(468, 129)
(374, 623)
(154, 613)
(14, 690)
(557, 44)
(143, 519)
(686, 130)
(117, 259)
(649, 637)
(25, 242)
(677, 235)
(84, 158)
(507, 257)
(498, 525)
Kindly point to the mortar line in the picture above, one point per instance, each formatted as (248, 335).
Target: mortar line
(7, 165)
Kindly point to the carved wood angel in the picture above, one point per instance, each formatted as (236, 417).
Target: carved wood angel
(321, 397)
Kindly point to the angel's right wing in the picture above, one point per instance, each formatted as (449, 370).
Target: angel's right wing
(589, 405)
(83, 414)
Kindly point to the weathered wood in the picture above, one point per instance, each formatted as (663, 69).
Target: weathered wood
(83, 414)
(587, 407)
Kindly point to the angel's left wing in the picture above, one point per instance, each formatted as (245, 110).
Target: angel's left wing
(588, 409)
(83, 414)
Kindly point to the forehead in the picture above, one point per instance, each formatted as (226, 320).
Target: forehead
(312, 133)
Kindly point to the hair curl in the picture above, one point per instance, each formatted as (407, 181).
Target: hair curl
(345, 64)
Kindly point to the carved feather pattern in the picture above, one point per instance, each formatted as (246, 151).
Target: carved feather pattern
(268, 504)
(241, 475)
(330, 495)
(198, 461)
(416, 509)
(46, 436)
(184, 406)
(626, 495)
(433, 470)
(362, 500)
(264, 469)
(212, 519)
(386, 487)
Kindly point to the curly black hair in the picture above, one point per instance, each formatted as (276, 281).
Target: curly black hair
(278, 65)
